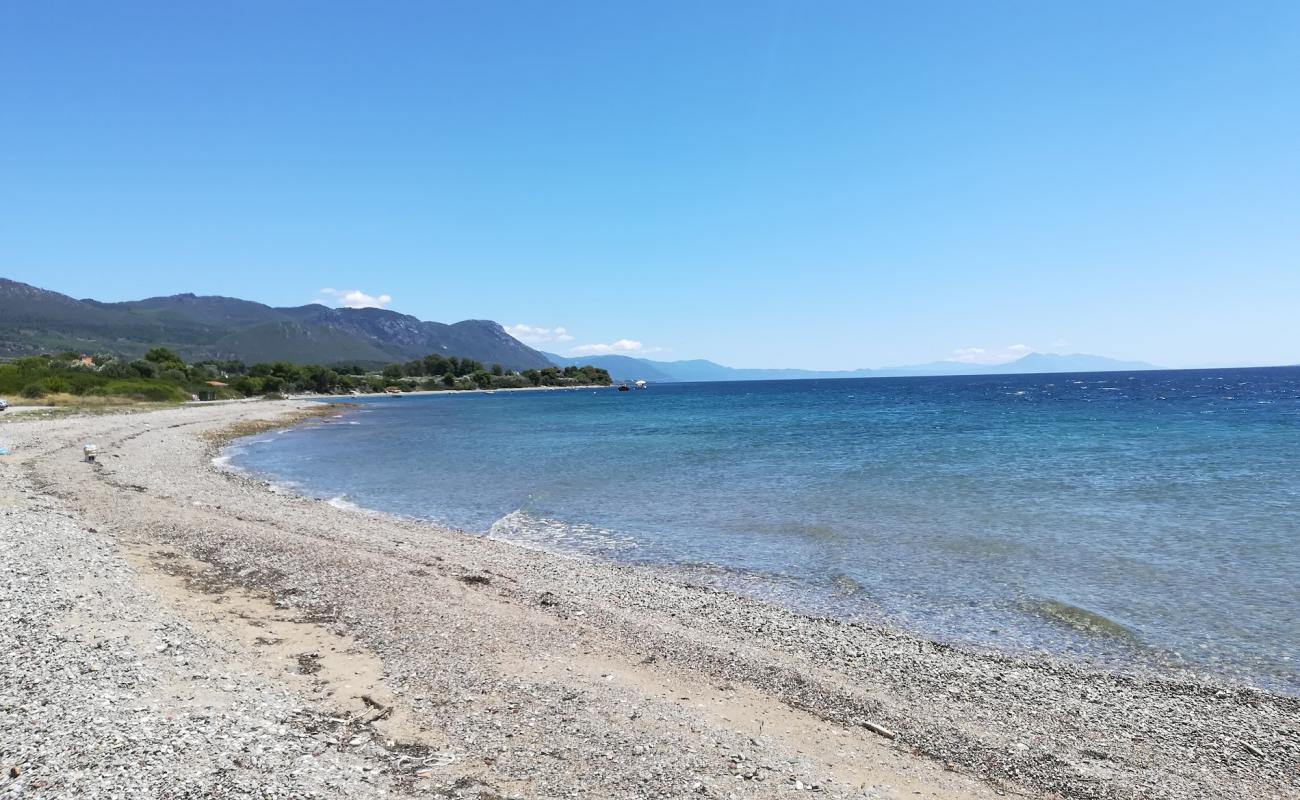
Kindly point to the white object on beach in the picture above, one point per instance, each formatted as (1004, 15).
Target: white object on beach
(89, 450)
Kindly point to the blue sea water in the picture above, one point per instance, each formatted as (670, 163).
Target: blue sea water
(1107, 517)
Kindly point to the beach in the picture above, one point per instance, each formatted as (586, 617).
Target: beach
(173, 629)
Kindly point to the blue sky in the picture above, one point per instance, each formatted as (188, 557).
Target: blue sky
(829, 185)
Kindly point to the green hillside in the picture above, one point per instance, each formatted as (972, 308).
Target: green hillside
(34, 320)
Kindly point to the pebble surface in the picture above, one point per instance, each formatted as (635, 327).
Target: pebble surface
(107, 692)
(171, 630)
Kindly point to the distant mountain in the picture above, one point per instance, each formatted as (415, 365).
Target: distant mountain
(34, 320)
(627, 368)
(621, 368)
(1075, 362)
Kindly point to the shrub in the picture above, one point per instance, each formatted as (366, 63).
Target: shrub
(32, 365)
(163, 356)
(11, 379)
(247, 386)
(145, 390)
(511, 382)
(34, 390)
(163, 394)
(83, 382)
(145, 369)
(55, 384)
(116, 369)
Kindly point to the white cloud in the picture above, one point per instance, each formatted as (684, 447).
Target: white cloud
(621, 347)
(531, 334)
(996, 355)
(536, 335)
(355, 298)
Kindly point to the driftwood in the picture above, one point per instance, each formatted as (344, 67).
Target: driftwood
(880, 730)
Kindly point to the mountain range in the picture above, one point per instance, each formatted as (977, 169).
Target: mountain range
(628, 368)
(34, 320)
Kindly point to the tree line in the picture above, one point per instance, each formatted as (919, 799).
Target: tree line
(162, 375)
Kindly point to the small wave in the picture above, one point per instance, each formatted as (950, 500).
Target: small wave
(1079, 618)
(342, 503)
(224, 459)
(525, 529)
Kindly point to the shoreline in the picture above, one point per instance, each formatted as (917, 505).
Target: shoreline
(778, 701)
(334, 398)
(1139, 662)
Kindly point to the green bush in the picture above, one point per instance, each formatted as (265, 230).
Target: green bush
(144, 369)
(164, 356)
(162, 376)
(55, 384)
(11, 379)
(116, 369)
(511, 382)
(82, 381)
(164, 394)
(146, 390)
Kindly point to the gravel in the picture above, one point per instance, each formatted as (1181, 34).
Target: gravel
(107, 692)
(506, 672)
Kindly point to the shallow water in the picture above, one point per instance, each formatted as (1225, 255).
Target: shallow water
(1112, 518)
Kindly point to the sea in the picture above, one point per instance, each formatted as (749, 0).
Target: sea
(1122, 520)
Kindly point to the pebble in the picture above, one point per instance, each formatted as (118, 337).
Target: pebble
(1021, 722)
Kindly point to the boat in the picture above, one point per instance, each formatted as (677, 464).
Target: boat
(623, 387)
(640, 384)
